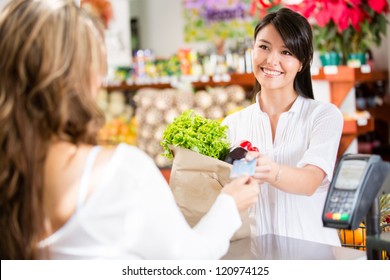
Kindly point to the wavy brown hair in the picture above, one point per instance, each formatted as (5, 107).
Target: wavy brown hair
(51, 50)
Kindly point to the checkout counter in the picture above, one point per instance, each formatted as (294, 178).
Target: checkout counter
(276, 247)
(353, 196)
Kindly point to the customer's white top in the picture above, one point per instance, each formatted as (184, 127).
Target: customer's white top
(309, 133)
(132, 214)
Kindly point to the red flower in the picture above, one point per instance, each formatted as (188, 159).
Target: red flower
(379, 6)
(343, 13)
(346, 13)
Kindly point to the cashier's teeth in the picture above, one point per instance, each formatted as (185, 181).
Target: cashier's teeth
(271, 72)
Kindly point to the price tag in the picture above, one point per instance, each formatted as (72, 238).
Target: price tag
(226, 78)
(204, 79)
(365, 68)
(194, 78)
(362, 122)
(315, 71)
(186, 78)
(217, 78)
(174, 81)
(331, 70)
(165, 80)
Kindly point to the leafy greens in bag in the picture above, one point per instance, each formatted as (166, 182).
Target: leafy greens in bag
(205, 136)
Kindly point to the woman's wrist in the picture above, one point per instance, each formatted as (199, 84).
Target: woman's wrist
(278, 173)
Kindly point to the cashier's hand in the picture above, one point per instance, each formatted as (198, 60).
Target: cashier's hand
(266, 169)
(244, 191)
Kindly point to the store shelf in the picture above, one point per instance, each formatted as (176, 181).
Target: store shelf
(381, 112)
(343, 78)
(351, 126)
(348, 74)
(245, 80)
(381, 115)
(351, 130)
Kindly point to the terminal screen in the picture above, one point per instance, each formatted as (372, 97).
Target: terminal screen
(350, 174)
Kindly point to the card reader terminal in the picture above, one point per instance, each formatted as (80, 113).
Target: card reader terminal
(356, 182)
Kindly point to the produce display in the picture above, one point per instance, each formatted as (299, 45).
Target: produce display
(143, 123)
(121, 125)
(155, 108)
(119, 130)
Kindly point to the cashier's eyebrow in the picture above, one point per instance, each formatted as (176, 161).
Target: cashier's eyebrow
(263, 41)
(259, 41)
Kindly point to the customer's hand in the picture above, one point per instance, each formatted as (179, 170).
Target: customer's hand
(244, 190)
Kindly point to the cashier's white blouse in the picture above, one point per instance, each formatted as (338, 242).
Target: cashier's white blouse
(309, 133)
(132, 214)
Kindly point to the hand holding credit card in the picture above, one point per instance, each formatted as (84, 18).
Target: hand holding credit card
(242, 167)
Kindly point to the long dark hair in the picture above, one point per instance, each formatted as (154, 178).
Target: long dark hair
(297, 35)
(51, 51)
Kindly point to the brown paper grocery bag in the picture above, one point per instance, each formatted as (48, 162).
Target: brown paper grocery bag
(196, 181)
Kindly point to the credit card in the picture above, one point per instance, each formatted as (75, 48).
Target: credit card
(242, 167)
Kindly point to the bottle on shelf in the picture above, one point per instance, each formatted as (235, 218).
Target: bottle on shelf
(380, 92)
(361, 101)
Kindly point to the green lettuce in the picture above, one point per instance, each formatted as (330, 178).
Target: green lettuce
(205, 136)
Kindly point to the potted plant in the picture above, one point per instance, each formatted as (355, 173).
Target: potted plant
(328, 42)
(345, 26)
